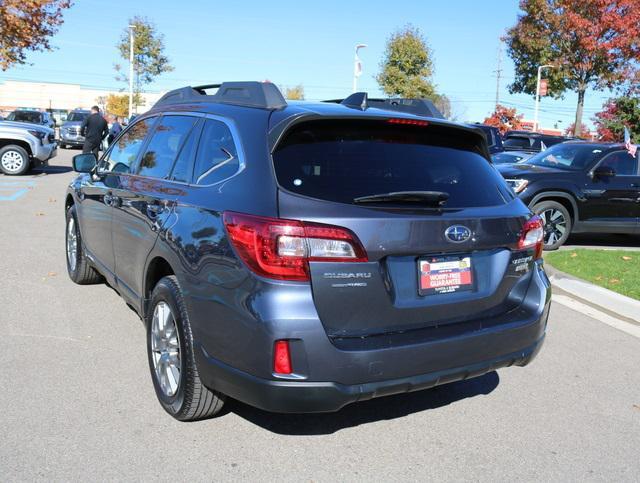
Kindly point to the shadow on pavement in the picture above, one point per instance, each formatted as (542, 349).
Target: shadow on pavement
(51, 169)
(384, 408)
(602, 240)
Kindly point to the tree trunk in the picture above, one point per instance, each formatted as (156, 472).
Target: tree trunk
(577, 126)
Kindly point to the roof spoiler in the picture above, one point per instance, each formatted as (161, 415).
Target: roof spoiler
(417, 107)
(262, 95)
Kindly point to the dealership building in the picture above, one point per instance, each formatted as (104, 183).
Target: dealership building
(57, 98)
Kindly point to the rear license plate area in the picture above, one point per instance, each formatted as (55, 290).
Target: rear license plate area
(439, 275)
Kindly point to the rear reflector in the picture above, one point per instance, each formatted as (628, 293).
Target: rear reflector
(532, 236)
(282, 249)
(282, 357)
(409, 122)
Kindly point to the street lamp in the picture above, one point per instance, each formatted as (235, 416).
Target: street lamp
(535, 117)
(131, 27)
(357, 66)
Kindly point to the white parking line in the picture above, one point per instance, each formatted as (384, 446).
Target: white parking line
(626, 327)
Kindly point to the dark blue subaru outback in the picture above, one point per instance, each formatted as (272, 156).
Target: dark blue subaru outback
(300, 257)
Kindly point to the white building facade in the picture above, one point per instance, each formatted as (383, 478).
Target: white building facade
(59, 98)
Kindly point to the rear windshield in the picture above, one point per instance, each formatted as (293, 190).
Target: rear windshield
(25, 116)
(517, 142)
(340, 160)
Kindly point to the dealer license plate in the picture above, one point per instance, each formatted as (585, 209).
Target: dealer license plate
(444, 275)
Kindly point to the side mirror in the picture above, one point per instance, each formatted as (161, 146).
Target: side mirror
(603, 172)
(84, 163)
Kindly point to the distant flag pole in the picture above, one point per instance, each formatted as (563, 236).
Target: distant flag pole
(357, 67)
(631, 148)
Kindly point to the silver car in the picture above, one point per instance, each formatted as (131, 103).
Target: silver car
(24, 146)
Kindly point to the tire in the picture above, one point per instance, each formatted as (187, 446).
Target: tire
(557, 223)
(63, 146)
(14, 160)
(78, 267)
(185, 399)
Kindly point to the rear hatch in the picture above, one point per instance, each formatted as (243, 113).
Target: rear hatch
(442, 246)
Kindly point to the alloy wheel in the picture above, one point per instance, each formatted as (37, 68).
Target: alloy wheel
(12, 161)
(165, 349)
(555, 225)
(72, 244)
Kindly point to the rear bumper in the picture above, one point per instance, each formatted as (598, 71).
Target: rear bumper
(330, 375)
(316, 397)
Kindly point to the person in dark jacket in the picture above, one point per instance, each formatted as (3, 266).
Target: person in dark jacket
(116, 128)
(94, 129)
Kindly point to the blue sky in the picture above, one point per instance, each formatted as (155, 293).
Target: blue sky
(296, 42)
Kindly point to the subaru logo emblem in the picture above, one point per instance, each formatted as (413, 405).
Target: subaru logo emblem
(457, 233)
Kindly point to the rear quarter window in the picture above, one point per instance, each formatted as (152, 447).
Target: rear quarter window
(340, 160)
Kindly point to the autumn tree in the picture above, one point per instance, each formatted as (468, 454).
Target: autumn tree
(615, 115)
(585, 133)
(149, 60)
(592, 43)
(407, 66)
(118, 105)
(27, 26)
(295, 93)
(504, 118)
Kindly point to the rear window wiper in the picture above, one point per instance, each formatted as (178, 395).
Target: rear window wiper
(432, 198)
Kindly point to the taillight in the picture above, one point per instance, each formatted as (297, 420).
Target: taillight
(532, 236)
(282, 357)
(408, 122)
(282, 249)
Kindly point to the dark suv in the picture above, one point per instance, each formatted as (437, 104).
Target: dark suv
(579, 187)
(300, 257)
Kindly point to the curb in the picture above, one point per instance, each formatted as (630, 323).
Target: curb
(601, 298)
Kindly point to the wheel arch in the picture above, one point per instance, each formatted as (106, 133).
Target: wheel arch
(157, 268)
(562, 197)
(17, 142)
(69, 201)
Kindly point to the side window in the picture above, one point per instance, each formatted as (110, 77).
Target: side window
(183, 167)
(217, 158)
(125, 151)
(622, 163)
(168, 137)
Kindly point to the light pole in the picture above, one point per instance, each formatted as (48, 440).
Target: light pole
(535, 116)
(131, 27)
(357, 66)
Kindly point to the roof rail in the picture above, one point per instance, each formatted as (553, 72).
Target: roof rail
(262, 95)
(418, 107)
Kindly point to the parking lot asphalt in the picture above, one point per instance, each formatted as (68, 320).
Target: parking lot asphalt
(78, 404)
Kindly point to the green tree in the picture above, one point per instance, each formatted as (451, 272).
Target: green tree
(592, 43)
(407, 67)
(149, 60)
(27, 25)
(615, 115)
(295, 93)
